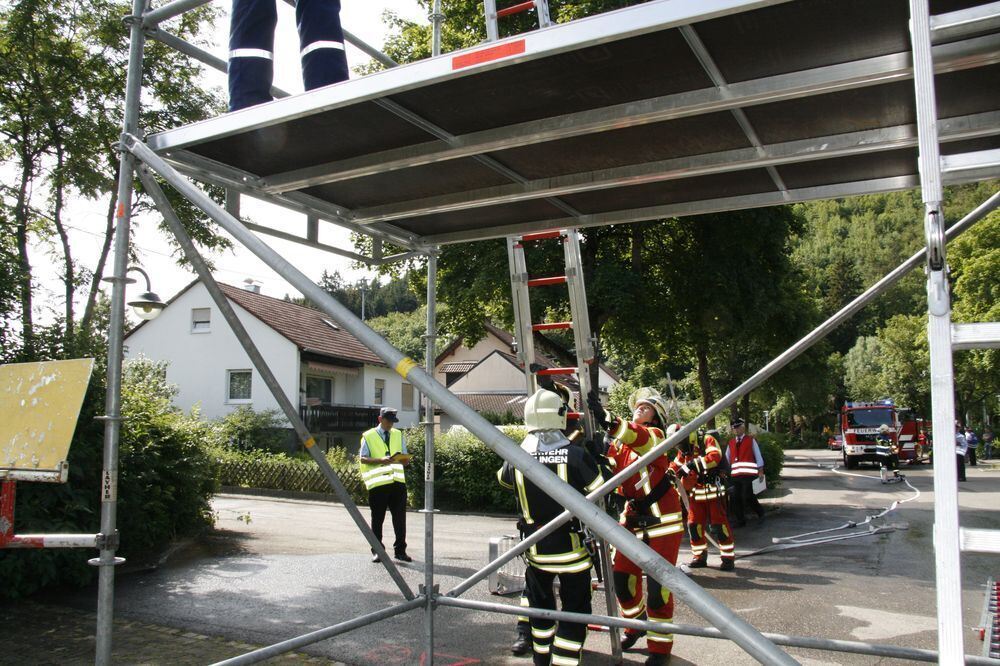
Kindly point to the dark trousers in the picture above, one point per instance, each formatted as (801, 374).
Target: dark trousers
(743, 499)
(251, 46)
(574, 592)
(391, 496)
(972, 455)
(960, 459)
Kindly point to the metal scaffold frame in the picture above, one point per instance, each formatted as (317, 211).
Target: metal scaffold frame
(146, 158)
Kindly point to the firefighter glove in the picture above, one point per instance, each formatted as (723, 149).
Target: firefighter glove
(597, 409)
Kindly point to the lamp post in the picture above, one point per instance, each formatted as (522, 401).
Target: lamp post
(147, 305)
(767, 423)
(364, 289)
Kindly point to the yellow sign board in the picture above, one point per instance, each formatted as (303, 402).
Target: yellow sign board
(39, 407)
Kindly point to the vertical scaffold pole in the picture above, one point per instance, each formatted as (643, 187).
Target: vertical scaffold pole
(108, 538)
(429, 510)
(948, 570)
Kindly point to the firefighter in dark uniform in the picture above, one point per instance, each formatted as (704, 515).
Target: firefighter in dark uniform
(251, 48)
(561, 554)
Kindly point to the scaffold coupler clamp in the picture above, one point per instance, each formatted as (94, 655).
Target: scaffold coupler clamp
(939, 302)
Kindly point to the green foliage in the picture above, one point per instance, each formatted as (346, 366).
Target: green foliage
(379, 299)
(774, 459)
(405, 331)
(165, 481)
(245, 429)
(496, 418)
(465, 472)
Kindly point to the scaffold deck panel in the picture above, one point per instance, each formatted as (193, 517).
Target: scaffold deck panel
(672, 107)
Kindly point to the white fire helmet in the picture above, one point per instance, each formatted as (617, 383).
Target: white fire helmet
(651, 397)
(544, 410)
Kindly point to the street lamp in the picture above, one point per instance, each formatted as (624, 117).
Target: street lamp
(767, 423)
(147, 305)
(364, 288)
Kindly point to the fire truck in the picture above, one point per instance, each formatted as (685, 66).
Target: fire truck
(913, 447)
(864, 440)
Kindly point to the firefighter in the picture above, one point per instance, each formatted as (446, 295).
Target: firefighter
(652, 512)
(561, 554)
(573, 430)
(699, 465)
(251, 48)
(746, 464)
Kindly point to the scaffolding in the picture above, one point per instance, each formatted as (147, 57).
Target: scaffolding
(668, 108)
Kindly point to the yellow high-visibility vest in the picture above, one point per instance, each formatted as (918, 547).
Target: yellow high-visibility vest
(381, 475)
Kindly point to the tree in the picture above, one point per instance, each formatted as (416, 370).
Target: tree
(62, 83)
(863, 369)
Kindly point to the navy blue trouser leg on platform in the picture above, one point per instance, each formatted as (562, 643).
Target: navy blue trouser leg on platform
(251, 48)
(251, 52)
(321, 40)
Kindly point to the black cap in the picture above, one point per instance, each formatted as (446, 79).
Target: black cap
(388, 413)
(736, 423)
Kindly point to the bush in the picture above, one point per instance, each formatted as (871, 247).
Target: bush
(245, 429)
(165, 481)
(465, 472)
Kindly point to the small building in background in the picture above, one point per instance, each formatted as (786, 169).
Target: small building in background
(335, 381)
(488, 376)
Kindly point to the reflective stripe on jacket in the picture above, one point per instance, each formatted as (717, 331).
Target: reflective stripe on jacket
(380, 475)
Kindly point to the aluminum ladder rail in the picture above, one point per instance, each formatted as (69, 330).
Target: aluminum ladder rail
(586, 352)
(541, 8)
(949, 539)
(579, 323)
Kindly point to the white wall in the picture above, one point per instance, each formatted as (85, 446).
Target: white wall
(495, 373)
(198, 361)
(462, 353)
(393, 394)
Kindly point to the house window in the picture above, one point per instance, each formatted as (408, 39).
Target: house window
(201, 320)
(450, 377)
(238, 383)
(319, 390)
(407, 402)
(379, 391)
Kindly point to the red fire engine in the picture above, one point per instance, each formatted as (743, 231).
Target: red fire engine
(865, 439)
(914, 438)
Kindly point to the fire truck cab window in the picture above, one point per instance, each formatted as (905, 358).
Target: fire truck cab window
(867, 418)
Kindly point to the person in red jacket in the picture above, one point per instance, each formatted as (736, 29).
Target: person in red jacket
(698, 464)
(652, 512)
(746, 464)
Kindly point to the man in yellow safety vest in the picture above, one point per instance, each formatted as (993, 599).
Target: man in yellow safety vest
(382, 458)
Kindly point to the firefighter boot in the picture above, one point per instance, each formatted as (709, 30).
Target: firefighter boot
(522, 645)
(728, 564)
(699, 562)
(657, 660)
(630, 639)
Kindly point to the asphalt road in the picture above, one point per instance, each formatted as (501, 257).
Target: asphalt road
(276, 569)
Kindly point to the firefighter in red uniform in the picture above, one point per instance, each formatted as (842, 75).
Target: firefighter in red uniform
(652, 512)
(698, 465)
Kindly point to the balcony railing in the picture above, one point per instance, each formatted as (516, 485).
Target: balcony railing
(339, 418)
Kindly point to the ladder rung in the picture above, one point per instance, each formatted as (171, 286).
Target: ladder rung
(975, 336)
(978, 541)
(542, 235)
(552, 326)
(543, 282)
(574, 415)
(516, 9)
(556, 371)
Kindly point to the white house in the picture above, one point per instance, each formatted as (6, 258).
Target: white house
(337, 383)
(488, 376)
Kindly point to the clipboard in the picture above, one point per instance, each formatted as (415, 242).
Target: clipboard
(401, 457)
(759, 485)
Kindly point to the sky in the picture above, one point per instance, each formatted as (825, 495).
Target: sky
(86, 219)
